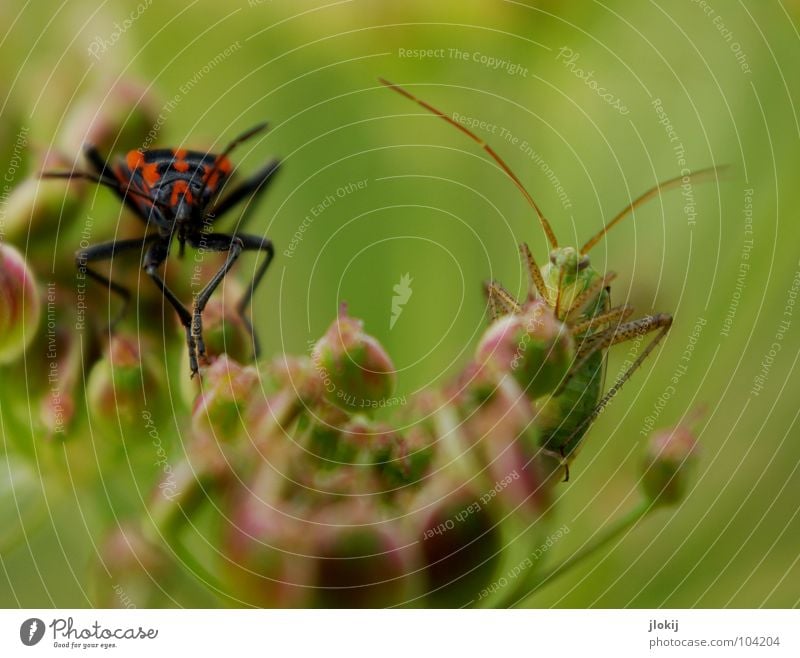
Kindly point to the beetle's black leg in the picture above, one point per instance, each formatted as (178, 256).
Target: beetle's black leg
(253, 187)
(212, 242)
(97, 161)
(255, 243)
(153, 259)
(100, 166)
(113, 184)
(107, 251)
(234, 245)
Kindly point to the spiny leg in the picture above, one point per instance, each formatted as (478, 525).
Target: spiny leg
(590, 344)
(616, 314)
(613, 335)
(234, 245)
(153, 259)
(502, 300)
(558, 293)
(660, 322)
(580, 303)
(535, 279)
(494, 309)
(107, 251)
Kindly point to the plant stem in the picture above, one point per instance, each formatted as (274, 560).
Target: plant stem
(535, 580)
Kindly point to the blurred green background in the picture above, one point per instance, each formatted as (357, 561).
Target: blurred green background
(434, 206)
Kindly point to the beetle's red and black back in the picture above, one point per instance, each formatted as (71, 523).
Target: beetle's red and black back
(178, 183)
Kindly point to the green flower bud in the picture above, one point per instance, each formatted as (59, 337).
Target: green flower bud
(20, 304)
(405, 459)
(122, 385)
(23, 503)
(56, 412)
(533, 346)
(36, 206)
(290, 386)
(114, 118)
(221, 410)
(669, 457)
(54, 364)
(224, 333)
(354, 368)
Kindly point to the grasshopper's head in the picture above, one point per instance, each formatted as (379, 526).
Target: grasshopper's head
(569, 262)
(566, 276)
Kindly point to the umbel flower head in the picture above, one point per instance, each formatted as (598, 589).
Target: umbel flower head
(291, 482)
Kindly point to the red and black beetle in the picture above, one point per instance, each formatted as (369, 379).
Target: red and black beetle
(178, 195)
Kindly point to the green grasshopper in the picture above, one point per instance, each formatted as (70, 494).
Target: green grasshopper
(580, 297)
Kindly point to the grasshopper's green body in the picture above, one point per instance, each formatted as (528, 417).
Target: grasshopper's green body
(579, 297)
(563, 416)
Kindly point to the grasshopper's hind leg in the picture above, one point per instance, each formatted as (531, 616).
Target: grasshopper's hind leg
(501, 302)
(661, 322)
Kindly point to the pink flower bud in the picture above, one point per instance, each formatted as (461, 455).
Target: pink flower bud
(224, 333)
(116, 117)
(354, 368)
(504, 429)
(265, 550)
(360, 560)
(20, 304)
(459, 538)
(533, 346)
(669, 457)
(221, 411)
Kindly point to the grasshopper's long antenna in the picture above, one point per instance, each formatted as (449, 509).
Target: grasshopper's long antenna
(700, 176)
(548, 230)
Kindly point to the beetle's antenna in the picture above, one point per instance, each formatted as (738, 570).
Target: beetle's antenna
(261, 127)
(551, 237)
(236, 141)
(701, 176)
